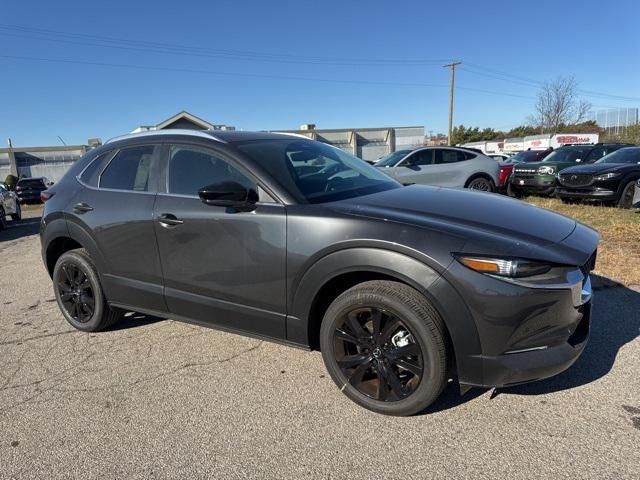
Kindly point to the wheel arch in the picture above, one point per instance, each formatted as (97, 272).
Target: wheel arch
(337, 272)
(485, 175)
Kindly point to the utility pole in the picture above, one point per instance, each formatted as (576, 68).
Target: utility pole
(452, 66)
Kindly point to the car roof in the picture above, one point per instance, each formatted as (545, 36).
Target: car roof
(222, 136)
(31, 178)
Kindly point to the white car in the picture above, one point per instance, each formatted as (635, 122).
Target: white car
(9, 205)
(454, 167)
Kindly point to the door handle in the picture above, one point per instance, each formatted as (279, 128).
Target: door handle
(169, 220)
(82, 207)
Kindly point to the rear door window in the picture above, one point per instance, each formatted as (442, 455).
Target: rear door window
(129, 170)
(450, 156)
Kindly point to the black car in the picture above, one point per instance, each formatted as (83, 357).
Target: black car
(295, 241)
(611, 179)
(28, 189)
(541, 177)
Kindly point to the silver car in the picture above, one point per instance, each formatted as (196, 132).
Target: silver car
(9, 205)
(442, 166)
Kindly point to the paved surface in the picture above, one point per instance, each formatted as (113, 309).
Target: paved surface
(156, 399)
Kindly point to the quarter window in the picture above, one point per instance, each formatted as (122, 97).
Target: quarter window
(191, 168)
(129, 170)
(92, 172)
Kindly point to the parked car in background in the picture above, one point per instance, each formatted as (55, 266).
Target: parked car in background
(442, 166)
(611, 179)
(506, 167)
(292, 240)
(9, 206)
(540, 177)
(636, 196)
(29, 189)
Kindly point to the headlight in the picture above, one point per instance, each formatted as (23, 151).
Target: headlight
(546, 170)
(512, 268)
(607, 176)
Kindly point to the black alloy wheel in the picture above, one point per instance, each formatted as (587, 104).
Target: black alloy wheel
(75, 292)
(481, 183)
(378, 355)
(384, 345)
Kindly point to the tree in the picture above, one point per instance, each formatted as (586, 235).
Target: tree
(558, 103)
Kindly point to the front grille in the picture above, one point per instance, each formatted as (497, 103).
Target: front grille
(523, 175)
(575, 179)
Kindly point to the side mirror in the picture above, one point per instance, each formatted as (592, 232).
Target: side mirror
(229, 195)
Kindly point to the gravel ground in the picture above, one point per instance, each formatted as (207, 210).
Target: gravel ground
(154, 398)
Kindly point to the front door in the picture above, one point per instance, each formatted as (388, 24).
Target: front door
(220, 266)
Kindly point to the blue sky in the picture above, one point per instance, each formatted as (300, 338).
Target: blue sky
(261, 50)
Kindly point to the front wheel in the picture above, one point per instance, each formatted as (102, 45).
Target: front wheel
(383, 344)
(626, 197)
(481, 183)
(79, 294)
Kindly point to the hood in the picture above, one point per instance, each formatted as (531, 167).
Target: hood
(593, 168)
(463, 213)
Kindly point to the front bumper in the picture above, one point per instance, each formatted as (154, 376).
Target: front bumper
(533, 182)
(586, 193)
(526, 333)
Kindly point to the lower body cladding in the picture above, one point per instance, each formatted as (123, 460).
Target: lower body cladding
(540, 184)
(525, 332)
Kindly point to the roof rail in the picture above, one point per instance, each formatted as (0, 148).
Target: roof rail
(170, 131)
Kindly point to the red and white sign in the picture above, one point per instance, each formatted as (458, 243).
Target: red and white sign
(537, 143)
(561, 139)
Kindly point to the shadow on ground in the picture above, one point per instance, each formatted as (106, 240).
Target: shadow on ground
(134, 320)
(22, 228)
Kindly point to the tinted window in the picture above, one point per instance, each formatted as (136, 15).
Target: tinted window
(92, 172)
(567, 154)
(314, 172)
(422, 157)
(31, 183)
(596, 154)
(624, 155)
(452, 156)
(129, 170)
(191, 168)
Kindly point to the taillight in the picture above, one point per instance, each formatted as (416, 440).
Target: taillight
(18, 189)
(44, 195)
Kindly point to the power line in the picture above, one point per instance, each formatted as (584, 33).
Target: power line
(175, 49)
(252, 75)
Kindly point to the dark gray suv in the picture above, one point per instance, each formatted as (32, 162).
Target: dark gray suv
(295, 241)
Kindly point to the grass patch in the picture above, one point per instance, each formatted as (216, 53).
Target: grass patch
(619, 250)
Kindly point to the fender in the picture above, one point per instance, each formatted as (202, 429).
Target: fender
(460, 324)
(56, 227)
(78, 233)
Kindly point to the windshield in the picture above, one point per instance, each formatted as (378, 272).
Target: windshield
(567, 155)
(315, 172)
(624, 155)
(526, 156)
(393, 158)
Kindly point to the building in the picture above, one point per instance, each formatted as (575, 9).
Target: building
(185, 120)
(367, 143)
(534, 142)
(50, 162)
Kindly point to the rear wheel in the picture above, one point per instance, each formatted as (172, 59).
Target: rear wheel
(481, 183)
(383, 344)
(79, 294)
(626, 197)
(18, 215)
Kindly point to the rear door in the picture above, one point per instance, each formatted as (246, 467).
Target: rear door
(115, 208)
(221, 266)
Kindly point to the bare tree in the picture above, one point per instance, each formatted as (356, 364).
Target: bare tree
(558, 103)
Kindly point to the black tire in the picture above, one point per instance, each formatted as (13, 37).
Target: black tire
(418, 324)
(481, 183)
(76, 282)
(18, 215)
(3, 219)
(626, 197)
